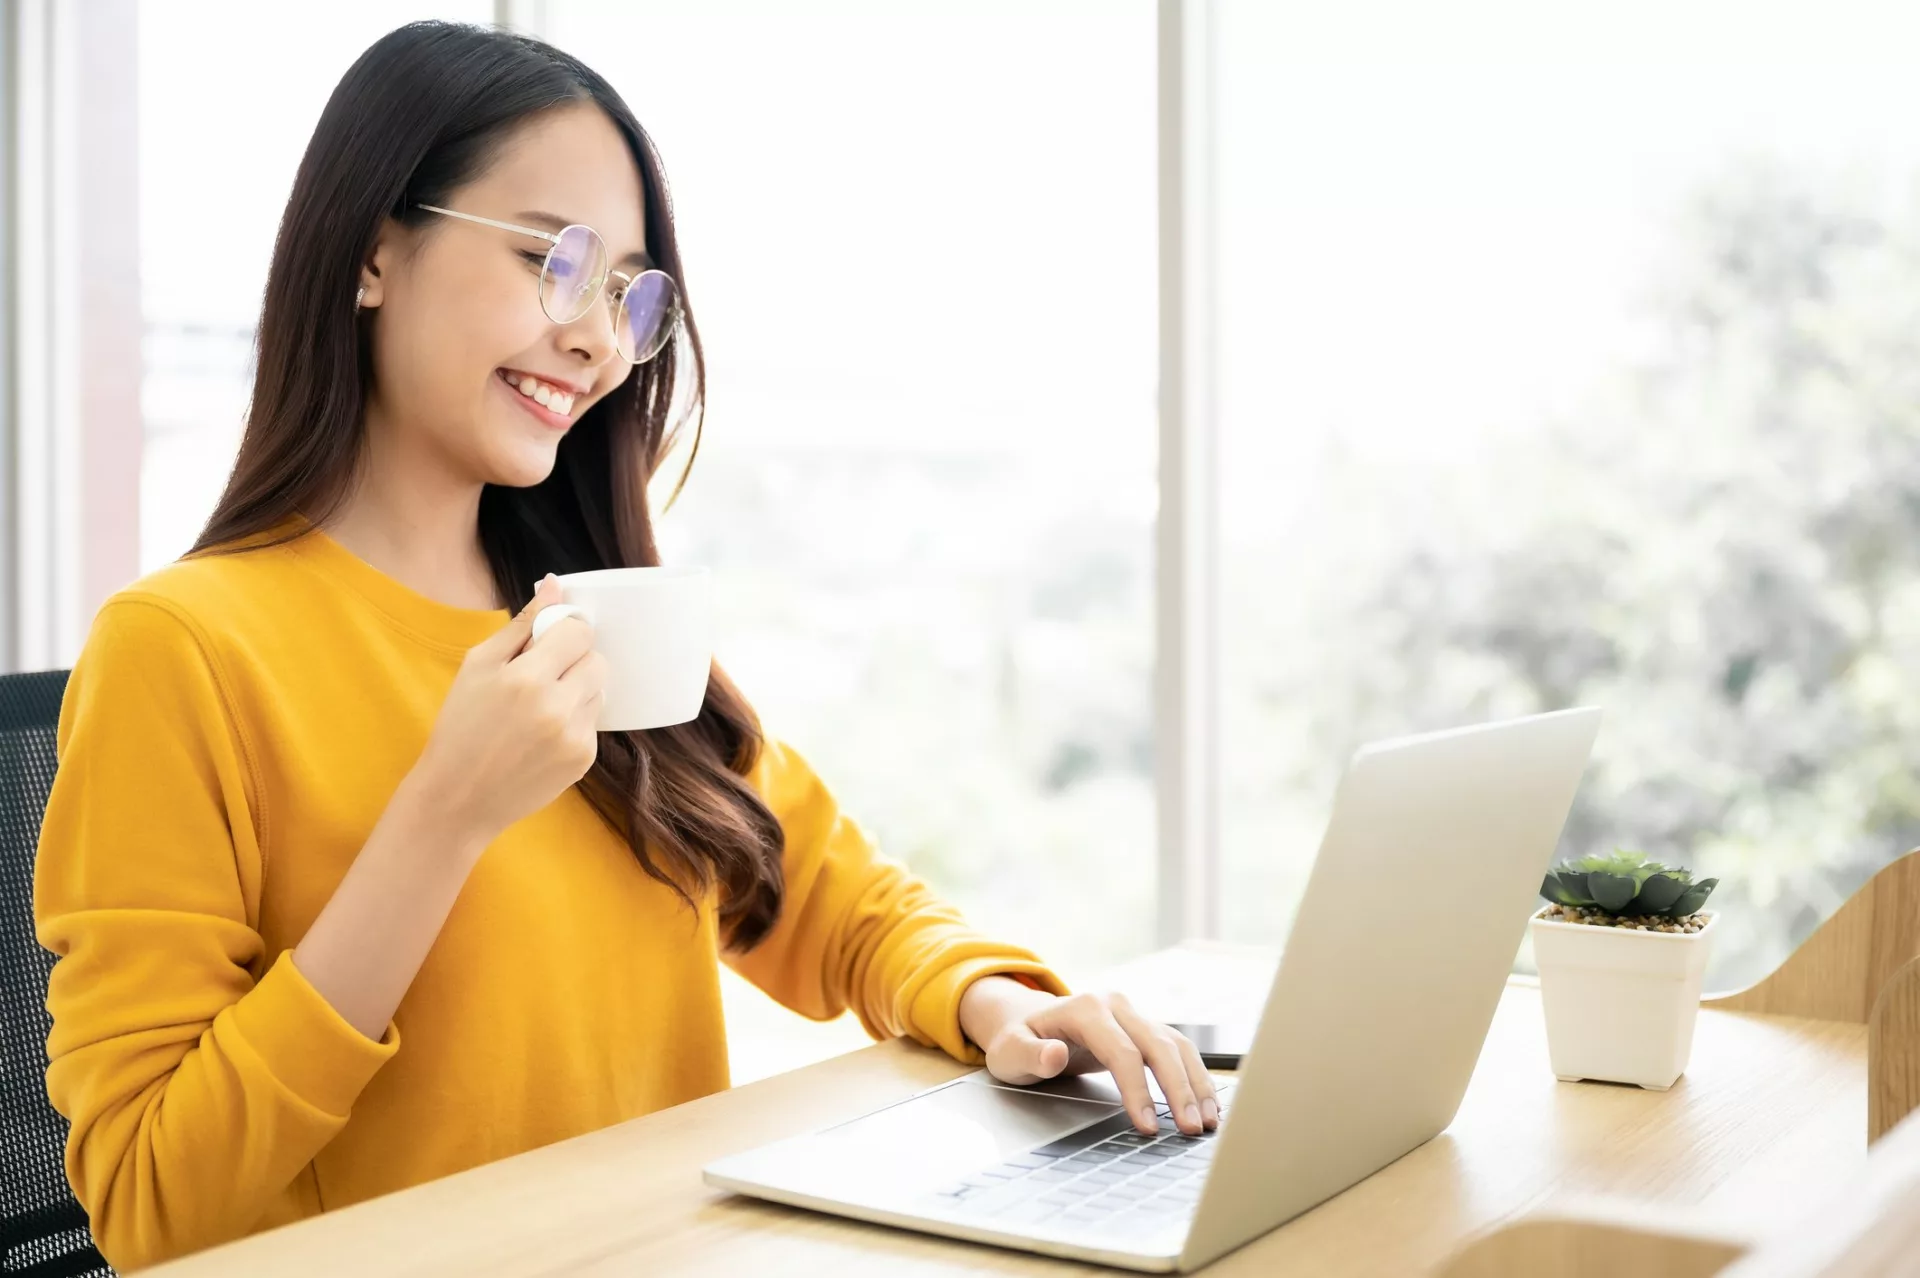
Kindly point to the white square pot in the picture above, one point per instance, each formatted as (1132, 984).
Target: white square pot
(1620, 1004)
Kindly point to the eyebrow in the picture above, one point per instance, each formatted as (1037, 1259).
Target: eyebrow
(638, 258)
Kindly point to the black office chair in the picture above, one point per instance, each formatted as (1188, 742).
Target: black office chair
(43, 1229)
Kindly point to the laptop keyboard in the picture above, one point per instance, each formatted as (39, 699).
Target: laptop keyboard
(1108, 1176)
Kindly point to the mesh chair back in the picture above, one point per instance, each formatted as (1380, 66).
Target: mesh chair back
(43, 1231)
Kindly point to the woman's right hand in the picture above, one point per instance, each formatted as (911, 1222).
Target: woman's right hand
(517, 727)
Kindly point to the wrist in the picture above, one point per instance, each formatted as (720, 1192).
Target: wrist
(430, 815)
(990, 1003)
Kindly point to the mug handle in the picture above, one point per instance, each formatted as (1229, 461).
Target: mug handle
(551, 615)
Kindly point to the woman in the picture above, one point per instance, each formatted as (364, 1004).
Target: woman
(346, 892)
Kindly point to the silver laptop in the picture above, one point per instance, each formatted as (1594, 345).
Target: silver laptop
(1417, 904)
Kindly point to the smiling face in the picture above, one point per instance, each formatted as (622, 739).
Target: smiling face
(469, 373)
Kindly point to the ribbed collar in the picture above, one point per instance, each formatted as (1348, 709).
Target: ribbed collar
(438, 624)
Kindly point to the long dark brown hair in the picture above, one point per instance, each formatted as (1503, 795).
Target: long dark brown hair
(418, 115)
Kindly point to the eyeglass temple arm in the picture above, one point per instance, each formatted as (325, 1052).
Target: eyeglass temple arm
(548, 236)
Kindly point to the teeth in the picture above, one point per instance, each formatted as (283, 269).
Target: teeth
(555, 401)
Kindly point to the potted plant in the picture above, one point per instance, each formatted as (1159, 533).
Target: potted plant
(1621, 951)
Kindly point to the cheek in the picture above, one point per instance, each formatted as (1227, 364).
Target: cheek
(441, 339)
(484, 321)
(611, 382)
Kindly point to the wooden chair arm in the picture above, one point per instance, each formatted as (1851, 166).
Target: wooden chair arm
(1893, 1052)
(1837, 974)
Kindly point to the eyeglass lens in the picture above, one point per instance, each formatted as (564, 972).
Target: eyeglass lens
(576, 271)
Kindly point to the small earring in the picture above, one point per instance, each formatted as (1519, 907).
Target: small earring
(360, 297)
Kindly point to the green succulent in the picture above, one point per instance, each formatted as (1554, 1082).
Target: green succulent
(1626, 883)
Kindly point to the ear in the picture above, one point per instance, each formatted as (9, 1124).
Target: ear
(376, 269)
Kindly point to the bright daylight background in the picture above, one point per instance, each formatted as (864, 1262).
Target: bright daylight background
(1567, 356)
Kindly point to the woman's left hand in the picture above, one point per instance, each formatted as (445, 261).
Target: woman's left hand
(1030, 1035)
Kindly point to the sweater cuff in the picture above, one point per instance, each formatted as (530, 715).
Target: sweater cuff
(936, 1007)
(306, 1043)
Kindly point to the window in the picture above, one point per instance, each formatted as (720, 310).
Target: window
(229, 93)
(919, 240)
(1571, 360)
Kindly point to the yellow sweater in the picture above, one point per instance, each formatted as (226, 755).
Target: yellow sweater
(232, 731)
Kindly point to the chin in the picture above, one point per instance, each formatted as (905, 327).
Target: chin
(524, 466)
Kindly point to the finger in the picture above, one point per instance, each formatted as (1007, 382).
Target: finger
(552, 615)
(586, 682)
(1019, 1056)
(587, 676)
(504, 644)
(1203, 1081)
(1157, 1044)
(1088, 1022)
(558, 650)
(584, 725)
(500, 647)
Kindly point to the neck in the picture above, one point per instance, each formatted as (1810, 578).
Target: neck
(416, 520)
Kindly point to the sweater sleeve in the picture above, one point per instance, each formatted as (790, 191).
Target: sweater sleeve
(858, 931)
(199, 1073)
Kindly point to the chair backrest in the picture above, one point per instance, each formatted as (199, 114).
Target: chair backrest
(43, 1230)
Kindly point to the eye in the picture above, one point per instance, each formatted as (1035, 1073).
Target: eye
(535, 260)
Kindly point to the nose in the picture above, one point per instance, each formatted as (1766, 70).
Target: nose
(590, 338)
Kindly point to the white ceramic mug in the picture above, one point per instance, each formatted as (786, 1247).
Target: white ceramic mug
(655, 628)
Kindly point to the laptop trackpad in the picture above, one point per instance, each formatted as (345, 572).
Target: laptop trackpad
(961, 1128)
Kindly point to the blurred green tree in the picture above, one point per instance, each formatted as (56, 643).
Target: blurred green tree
(1722, 549)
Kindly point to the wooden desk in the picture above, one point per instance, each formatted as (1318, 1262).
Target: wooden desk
(1771, 1109)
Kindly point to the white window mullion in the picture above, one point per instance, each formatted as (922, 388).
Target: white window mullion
(64, 279)
(42, 442)
(74, 321)
(1186, 692)
(528, 17)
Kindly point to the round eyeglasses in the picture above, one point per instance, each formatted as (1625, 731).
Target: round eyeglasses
(646, 307)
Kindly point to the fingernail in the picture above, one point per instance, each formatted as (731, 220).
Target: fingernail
(1192, 1114)
(1148, 1118)
(1210, 1110)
